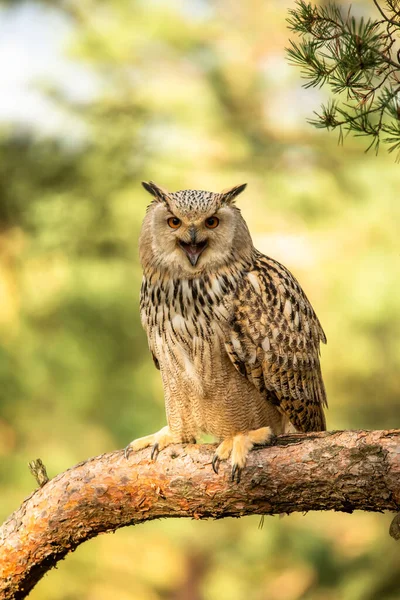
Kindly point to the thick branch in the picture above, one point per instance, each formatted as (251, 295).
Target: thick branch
(341, 471)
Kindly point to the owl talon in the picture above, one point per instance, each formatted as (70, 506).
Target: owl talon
(215, 463)
(157, 441)
(155, 451)
(238, 447)
(236, 473)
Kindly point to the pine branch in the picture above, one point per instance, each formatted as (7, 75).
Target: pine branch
(341, 471)
(359, 61)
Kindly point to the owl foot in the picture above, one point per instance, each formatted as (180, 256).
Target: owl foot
(157, 441)
(238, 447)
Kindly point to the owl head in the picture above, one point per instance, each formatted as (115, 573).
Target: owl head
(192, 231)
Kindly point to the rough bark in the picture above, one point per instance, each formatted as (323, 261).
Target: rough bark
(341, 471)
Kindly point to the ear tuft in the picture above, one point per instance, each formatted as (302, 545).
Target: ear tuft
(156, 191)
(228, 196)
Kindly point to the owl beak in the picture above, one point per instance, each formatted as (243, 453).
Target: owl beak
(193, 251)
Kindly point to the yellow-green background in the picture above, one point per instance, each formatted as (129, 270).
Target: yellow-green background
(191, 94)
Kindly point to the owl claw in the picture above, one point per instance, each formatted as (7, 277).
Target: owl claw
(236, 473)
(238, 448)
(157, 441)
(155, 451)
(215, 463)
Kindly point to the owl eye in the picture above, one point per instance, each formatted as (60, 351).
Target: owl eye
(174, 222)
(212, 222)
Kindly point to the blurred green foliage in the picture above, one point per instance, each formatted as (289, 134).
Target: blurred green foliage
(191, 95)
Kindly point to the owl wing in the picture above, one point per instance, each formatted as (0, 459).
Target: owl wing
(274, 340)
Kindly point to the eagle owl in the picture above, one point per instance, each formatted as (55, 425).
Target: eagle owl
(231, 330)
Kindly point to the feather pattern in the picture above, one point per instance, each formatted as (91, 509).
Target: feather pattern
(275, 339)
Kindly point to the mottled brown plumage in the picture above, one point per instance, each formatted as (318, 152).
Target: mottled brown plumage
(231, 330)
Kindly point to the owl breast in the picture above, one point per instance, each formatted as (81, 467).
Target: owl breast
(186, 322)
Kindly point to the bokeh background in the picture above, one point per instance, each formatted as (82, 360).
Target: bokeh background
(94, 97)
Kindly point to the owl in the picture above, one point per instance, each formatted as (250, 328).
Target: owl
(233, 334)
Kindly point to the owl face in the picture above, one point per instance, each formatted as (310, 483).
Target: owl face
(192, 231)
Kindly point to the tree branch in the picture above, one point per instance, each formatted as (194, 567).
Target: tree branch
(341, 471)
(385, 18)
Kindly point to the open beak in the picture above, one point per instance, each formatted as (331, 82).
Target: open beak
(193, 251)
